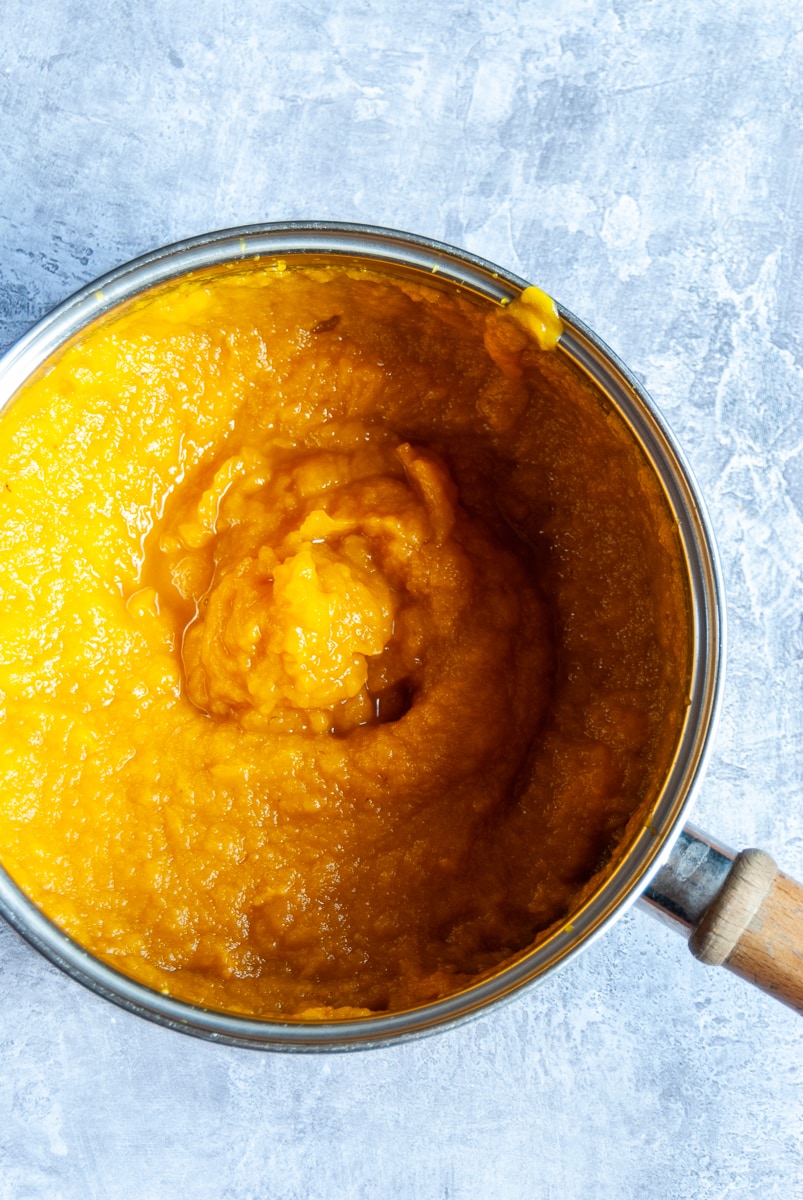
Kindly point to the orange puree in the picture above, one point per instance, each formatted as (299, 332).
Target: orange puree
(341, 636)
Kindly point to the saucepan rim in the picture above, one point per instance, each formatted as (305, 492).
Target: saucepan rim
(377, 246)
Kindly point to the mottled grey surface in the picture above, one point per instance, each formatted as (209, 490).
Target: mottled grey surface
(644, 163)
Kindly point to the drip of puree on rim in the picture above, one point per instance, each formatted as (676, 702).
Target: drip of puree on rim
(342, 635)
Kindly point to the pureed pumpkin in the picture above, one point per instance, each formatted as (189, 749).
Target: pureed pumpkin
(343, 636)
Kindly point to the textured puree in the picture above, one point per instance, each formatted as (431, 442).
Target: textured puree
(342, 635)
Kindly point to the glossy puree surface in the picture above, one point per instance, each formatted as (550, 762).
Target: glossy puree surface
(342, 635)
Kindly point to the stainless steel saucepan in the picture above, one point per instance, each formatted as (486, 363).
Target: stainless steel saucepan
(736, 909)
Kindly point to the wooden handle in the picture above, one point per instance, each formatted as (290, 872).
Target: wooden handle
(754, 927)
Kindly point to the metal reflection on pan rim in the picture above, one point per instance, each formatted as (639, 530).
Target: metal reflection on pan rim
(385, 247)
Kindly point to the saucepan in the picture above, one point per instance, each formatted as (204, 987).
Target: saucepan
(737, 910)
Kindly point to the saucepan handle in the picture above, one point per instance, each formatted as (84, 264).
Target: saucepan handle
(737, 910)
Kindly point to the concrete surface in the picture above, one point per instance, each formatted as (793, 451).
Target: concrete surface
(644, 164)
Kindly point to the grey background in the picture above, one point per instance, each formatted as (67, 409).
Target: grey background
(643, 162)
